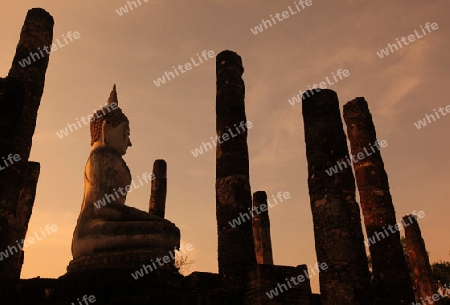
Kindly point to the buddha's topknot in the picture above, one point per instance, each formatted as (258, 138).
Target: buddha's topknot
(110, 112)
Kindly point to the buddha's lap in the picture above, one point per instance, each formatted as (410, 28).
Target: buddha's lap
(98, 227)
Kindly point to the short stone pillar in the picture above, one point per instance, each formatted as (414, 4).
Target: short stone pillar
(157, 204)
(426, 287)
(261, 229)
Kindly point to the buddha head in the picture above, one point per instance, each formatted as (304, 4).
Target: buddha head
(110, 127)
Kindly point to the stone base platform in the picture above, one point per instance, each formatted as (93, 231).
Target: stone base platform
(133, 259)
(114, 287)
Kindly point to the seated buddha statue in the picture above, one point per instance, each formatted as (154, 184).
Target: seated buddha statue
(114, 226)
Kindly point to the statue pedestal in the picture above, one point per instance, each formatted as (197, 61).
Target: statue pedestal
(132, 260)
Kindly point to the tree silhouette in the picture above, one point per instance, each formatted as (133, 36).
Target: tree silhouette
(183, 264)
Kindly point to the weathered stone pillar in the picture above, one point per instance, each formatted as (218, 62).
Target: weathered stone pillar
(20, 96)
(419, 261)
(236, 249)
(390, 274)
(25, 208)
(157, 205)
(37, 33)
(261, 229)
(336, 216)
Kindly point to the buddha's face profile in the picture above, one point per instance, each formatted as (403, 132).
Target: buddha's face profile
(118, 137)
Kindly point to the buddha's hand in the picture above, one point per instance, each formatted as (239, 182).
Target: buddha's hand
(131, 213)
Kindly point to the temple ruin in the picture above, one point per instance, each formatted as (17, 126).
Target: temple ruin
(247, 273)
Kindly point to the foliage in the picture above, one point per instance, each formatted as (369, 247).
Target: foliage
(441, 272)
(183, 264)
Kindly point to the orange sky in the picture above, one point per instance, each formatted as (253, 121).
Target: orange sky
(169, 121)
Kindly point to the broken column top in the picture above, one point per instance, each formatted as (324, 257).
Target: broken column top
(260, 195)
(314, 91)
(359, 103)
(358, 109)
(40, 13)
(229, 57)
(37, 32)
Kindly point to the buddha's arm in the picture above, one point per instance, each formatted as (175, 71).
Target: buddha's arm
(108, 174)
(114, 211)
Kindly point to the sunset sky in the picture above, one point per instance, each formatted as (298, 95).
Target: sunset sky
(171, 120)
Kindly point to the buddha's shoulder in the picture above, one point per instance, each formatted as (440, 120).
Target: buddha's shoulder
(106, 155)
(105, 152)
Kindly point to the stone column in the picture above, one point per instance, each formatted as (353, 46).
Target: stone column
(24, 209)
(390, 274)
(157, 205)
(236, 248)
(336, 216)
(37, 33)
(20, 96)
(261, 229)
(419, 261)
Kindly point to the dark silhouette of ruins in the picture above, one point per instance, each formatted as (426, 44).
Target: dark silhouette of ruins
(20, 97)
(246, 270)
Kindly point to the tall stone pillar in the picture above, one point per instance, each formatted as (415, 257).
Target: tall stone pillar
(236, 249)
(20, 96)
(419, 261)
(390, 274)
(336, 216)
(261, 229)
(37, 33)
(25, 206)
(157, 205)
